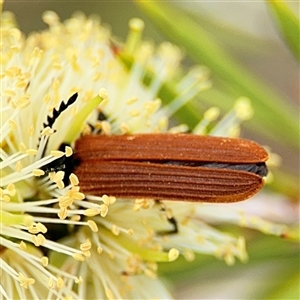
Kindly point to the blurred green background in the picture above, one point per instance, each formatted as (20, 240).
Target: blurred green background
(246, 32)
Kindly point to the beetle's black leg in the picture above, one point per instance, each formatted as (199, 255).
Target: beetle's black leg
(170, 219)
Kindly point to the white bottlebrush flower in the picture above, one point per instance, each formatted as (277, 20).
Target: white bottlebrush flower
(55, 242)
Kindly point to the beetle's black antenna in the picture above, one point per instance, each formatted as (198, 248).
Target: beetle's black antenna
(56, 113)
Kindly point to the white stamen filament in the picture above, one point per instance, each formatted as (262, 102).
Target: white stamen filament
(27, 171)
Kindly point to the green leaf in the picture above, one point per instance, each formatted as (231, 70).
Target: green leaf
(287, 23)
(287, 288)
(275, 116)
